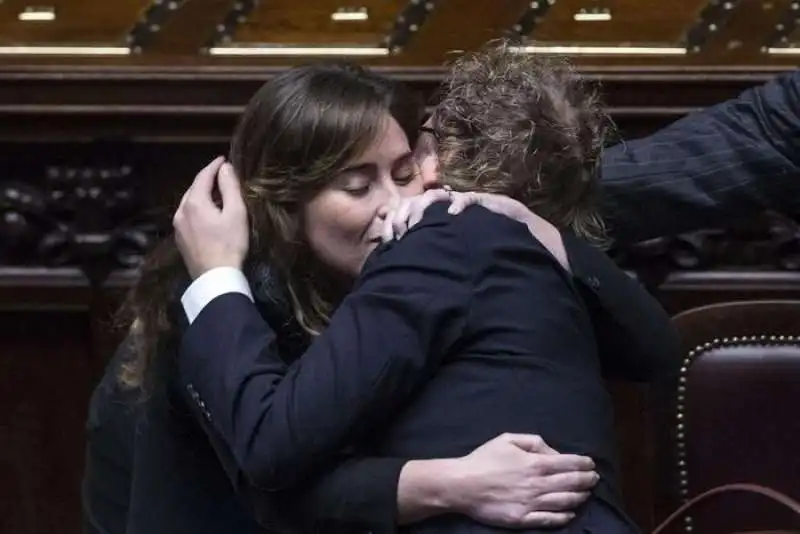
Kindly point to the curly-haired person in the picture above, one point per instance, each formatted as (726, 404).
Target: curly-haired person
(523, 126)
(465, 328)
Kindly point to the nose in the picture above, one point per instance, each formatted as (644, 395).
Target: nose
(389, 200)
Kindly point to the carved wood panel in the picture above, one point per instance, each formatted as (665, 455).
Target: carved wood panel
(45, 380)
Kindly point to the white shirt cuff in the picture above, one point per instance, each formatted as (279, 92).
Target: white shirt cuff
(211, 285)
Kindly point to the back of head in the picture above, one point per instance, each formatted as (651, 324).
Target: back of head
(524, 126)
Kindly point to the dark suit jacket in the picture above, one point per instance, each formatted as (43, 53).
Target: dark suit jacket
(730, 160)
(464, 329)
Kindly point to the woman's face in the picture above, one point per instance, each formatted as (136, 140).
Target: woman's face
(343, 223)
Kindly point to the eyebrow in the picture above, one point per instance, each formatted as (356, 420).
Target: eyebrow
(364, 166)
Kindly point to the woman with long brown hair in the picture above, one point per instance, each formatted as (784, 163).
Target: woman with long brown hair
(465, 327)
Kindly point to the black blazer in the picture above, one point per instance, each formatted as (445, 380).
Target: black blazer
(464, 329)
(730, 160)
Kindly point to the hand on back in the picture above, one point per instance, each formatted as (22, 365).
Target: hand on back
(518, 481)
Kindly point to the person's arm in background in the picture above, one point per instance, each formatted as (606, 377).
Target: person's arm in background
(734, 159)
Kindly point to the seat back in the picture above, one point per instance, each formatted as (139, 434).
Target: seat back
(735, 413)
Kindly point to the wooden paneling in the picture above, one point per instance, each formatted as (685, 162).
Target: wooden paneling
(179, 104)
(77, 22)
(749, 29)
(186, 31)
(309, 23)
(632, 22)
(45, 381)
(438, 40)
(179, 32)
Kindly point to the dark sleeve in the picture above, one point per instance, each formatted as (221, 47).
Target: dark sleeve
(282, 424)
(731, 160)
(357, 493)
(635, 337)
(354, 491)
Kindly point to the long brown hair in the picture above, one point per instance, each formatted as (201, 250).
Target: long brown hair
(296, 132)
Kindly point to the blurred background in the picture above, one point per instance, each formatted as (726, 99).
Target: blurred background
(109, 108)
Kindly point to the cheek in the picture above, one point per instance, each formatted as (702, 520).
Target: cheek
(336, 228)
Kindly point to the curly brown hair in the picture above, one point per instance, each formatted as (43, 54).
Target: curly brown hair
(296, 133)
(524, 126)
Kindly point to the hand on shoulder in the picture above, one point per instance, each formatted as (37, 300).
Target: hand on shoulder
(410, 211)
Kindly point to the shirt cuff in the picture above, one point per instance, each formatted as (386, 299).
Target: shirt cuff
(211, 285)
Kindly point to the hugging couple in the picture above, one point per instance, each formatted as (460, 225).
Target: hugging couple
(365, 324)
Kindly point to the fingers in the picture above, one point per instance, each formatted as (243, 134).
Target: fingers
(579, 481)
(431, 196)
(230, 190)
(387, 231)
(399, 219)
(546, 519)
(461, 200)
(204, 181)
(408, 212)
(527, 442)
(564, 463)
(562, 501)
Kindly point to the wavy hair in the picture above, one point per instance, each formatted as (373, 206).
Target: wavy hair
(525, 126)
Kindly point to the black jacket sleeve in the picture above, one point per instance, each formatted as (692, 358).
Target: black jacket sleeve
(635, 337)
(734, 159)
